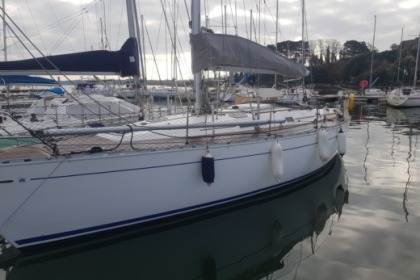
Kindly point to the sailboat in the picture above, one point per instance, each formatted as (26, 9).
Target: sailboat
(407, 96)
(371, 91)
(83, 181)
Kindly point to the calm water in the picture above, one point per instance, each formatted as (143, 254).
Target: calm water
(315, 230)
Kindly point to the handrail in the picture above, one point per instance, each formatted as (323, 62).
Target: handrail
(131, 128)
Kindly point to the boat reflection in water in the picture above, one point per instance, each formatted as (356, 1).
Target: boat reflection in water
(253, 239)
(405, 121)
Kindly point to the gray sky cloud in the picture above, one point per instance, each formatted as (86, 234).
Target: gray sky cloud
(61, 26)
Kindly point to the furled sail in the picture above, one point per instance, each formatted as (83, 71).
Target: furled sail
(232, 53)
(123, 63)
(24, 79)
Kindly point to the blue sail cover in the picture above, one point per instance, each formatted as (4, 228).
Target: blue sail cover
(24, 79)
(123, 63)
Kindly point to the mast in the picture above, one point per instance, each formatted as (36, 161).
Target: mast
(139, 46)
(417, 61)
(175, 56)
(130, 18)
(399, 58)
(277, 33)
(133, 30)
(4, 32)
(303, 44)
(373, 49)
(195, 29)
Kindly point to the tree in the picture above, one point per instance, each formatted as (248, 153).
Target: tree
(354, 48)
(321, 47)
(328, 55)
(335, 47)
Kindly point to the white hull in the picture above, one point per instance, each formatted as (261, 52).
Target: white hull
(78, 111)
(404, 97)
(374, 92)
(45, 200)
(253, 240)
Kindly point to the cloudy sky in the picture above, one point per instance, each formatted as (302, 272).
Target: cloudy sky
(61, 26)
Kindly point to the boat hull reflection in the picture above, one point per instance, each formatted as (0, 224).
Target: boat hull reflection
(246, 241)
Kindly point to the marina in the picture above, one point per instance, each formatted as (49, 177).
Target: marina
(371, 233)
(251, 157)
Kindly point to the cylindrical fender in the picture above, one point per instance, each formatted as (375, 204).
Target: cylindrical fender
(207, 168)
(351, 102)
(323, 150)
(277, 161)
(341, 142)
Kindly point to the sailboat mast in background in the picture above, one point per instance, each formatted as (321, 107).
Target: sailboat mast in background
(417, 61)
(373, 50)
(4, 32)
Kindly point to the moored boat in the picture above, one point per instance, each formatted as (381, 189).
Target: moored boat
(404, 97)
(82, 181)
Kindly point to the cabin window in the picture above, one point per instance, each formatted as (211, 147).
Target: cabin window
(406, 91)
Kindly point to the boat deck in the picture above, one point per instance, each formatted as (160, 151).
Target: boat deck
(96, 143)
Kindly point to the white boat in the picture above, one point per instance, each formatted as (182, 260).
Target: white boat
(404, 97)
(20, 91)
(239, 92)
(407, 96)
(54, 111)
(83, 181)
(262, 237)
(374, 92)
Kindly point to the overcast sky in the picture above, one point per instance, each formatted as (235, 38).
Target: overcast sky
(61, 26)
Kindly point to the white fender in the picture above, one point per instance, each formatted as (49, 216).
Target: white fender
(342, 142)
(277, 161)
(323, 150)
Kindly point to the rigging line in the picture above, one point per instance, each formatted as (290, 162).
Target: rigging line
(155, 48)
(49, 61)
(187, 10)
(33, 133)
(172, 39)
(274, 20)
(235, 24)
(123, 9)
(55, 24)
(27, 38)
(36, 25)
(65, 37)
(17, 7)
(61, 27)
(98, 24)
(180, 45)
(82, 10)
(153, 54)
(246, 21)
